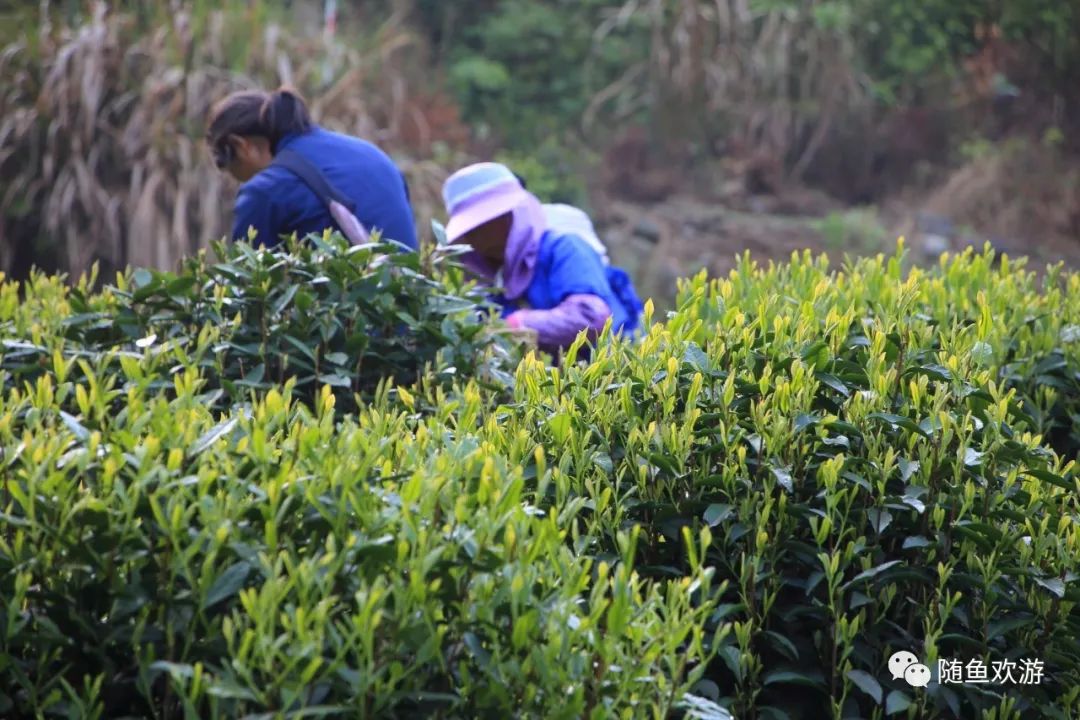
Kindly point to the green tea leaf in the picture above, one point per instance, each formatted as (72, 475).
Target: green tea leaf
(702, 708)
(783, 476)
(227, 584)
(781, 643)
(476, 648)
(879, 519)
(1056, 586)
(935, 372)
(228, 690)
(866, 682)
(834, 383)
(896, 703)
(75, 426)
(997, 628)
(301, 346)
(871, 573)
(1052, 478)
(812, 679)
(696, 358)
(213, 435)
(717, 513)
(177, 670)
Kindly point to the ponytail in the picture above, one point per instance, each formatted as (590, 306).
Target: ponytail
(283, 112)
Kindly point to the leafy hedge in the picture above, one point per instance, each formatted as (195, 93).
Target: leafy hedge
(322, 313)
(800, 472)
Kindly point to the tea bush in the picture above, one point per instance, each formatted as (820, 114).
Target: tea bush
(869, 452)
(321, 312)
(160, 557)
(798, 473)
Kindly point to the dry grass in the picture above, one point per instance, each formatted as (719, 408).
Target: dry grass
(770, 79)
(1023, 192)
(101, 125)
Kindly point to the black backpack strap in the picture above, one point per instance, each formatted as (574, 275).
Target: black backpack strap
(303, 168)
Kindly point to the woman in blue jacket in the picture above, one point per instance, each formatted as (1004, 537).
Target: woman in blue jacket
(546, 280)
(248, 129)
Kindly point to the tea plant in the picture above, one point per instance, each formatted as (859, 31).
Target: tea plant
(868, 449)
(168, 560)
(319, 312)
(800, 472)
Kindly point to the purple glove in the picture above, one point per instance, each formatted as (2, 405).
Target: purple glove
(558, 327)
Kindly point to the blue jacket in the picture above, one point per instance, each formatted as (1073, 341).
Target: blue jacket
(276, 202)
(567, 265)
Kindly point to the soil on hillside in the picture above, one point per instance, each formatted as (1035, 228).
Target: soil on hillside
(684, 233)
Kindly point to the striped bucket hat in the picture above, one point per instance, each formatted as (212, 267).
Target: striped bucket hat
(478, 194)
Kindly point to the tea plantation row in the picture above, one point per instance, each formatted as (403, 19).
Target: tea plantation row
(214, 504)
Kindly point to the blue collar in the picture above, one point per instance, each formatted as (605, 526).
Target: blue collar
(287, 140)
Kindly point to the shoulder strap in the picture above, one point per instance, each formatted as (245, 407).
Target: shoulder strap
(303, 168)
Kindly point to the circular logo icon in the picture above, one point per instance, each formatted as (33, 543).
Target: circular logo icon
(917, 675)
(901, 661)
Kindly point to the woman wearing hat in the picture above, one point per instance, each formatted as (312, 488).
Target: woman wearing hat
(548, 281)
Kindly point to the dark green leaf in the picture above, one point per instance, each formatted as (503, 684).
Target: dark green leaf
(936, 372)
(301, 346)
(998, 628)
(781, 643)
(227, 584)
(696, 358)
(896, 703)
(812, 679)
(1053, 479)
(908, 468)
(872, 572)
(717, 513)
(834, 383)
(879, 519)
(783, 476)
(180, 285)
(282, 302)
(1056, 586)
(866, 682)
(482, 656)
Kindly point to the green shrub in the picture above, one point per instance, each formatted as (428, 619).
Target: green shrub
(875, 480)
(159, 557)
(857, 231)
(799, 473)
(551, 173)
(318, 311)
(530, 69)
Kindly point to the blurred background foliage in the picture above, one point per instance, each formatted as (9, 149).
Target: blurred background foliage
(593, 101)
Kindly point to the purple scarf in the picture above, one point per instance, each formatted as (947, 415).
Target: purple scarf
(522, 247)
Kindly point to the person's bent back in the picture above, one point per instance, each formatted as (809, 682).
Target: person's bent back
(248, 129)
